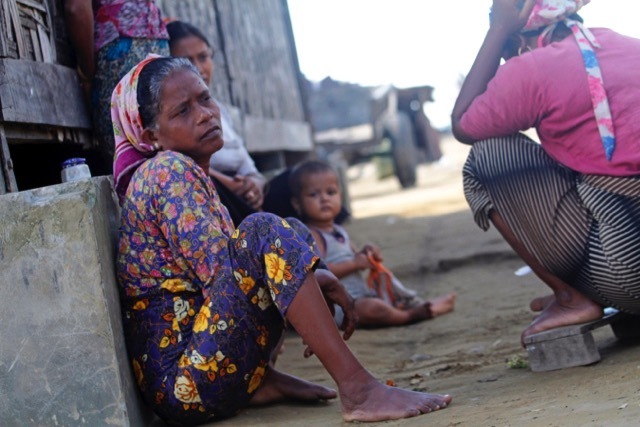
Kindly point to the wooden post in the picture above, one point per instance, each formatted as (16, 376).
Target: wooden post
(7, 178)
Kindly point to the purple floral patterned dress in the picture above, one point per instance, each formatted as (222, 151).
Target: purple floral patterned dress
(203, 302)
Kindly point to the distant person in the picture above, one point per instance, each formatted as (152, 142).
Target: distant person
(317, 198)
(240, 185)
(569, 206)
(110, 37)
(205, 303)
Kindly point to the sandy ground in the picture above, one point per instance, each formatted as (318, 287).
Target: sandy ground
(430, 241)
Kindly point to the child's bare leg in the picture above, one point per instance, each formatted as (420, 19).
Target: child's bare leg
(443, 304)
(362, 397)
(568, 307)
(375, 312)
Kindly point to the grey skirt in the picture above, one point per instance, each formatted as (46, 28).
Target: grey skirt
(585, 229)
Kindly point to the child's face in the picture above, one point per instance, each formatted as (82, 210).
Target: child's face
(320, 198)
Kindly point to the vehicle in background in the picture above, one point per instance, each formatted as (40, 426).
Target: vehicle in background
(382, 122)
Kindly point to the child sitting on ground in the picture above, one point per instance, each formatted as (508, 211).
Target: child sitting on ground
(316, 196)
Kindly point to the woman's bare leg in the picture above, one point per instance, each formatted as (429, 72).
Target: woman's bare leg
(569, 307)
(362, 397)
(278, 386)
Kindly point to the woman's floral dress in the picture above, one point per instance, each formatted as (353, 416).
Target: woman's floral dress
(203, 302)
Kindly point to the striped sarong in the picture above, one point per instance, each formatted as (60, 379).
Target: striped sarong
(584, 229)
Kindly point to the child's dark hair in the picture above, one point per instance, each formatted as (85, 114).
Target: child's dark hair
(306, 168)
(179, 30)
(150, 83)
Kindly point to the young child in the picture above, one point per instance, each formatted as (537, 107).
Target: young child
(316, 196)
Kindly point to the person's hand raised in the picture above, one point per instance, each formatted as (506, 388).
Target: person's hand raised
(511, 16)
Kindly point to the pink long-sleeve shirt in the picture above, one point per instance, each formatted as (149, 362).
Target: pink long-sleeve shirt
(548, 89)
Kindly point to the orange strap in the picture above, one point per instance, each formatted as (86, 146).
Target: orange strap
(377, 275)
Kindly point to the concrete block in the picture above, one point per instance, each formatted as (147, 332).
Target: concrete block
(565, 347)
(63, 359)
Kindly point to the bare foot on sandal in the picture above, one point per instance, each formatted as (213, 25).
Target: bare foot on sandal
(372, 401)
(278, 387)
(567, 308)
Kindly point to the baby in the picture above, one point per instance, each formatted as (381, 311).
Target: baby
(316, 196)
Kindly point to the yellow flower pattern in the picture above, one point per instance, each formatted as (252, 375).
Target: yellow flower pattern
(200, 297)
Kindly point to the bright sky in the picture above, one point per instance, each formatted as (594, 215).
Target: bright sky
(412, 42)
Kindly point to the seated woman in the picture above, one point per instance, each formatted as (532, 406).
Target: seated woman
(204, 303)
(237, 180)
(570, 206)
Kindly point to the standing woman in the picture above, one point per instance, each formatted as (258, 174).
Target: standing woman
(570, 206)
(109, 38)
(205, 303)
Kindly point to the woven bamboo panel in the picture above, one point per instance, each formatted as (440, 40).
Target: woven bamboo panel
(26, 30)
(256, 64)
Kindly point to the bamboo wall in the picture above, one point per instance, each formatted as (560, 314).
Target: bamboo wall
(256, 64)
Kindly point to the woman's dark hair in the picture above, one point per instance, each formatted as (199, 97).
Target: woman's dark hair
(150, 83)
(179, 30)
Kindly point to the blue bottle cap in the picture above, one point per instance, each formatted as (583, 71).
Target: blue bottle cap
(72, 162)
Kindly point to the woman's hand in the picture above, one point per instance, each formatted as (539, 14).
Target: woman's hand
(246, 187)
(506, 15)
(335, 293)
(250, 190)
(506, 20)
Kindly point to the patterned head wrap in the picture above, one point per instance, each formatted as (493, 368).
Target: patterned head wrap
(547, 14)
(131, 152)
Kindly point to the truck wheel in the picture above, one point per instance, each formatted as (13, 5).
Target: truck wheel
(403, 149)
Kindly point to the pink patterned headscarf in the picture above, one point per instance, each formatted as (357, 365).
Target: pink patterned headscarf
(131, 151)
(547, 14)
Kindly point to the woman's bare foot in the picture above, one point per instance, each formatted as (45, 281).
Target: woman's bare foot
(278, 386)
(367, 400)
(540, 303)
(568, 307)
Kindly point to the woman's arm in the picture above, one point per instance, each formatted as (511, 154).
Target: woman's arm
(79, 18)
(506, 20)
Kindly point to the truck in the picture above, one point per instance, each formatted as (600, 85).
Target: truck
(362, 123)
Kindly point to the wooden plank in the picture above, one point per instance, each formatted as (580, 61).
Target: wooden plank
(35, 41)
(45, 45)
(261, 72)
(17, 26)
(33, 5)
(203, 15)
(40, 93)
(8, 178)
(261, 134)
(4, 29)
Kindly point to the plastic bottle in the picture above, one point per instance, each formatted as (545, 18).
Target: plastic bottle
(75, 169)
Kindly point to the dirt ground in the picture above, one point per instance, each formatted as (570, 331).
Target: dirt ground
(429, 240)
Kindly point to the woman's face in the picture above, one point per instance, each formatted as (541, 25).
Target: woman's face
(189, 118)
(196, 51)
